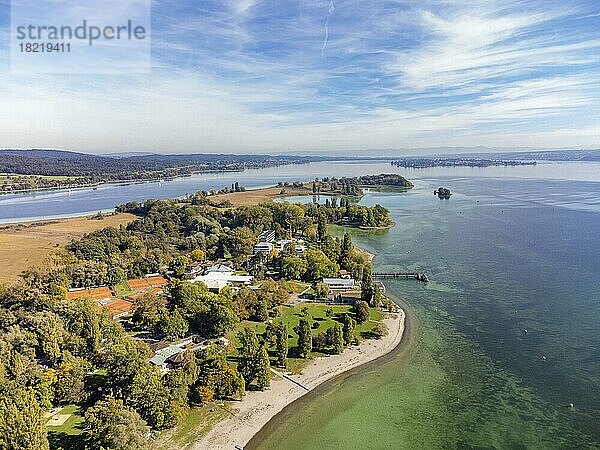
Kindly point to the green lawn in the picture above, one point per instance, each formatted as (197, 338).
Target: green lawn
(198, 422)
(300, 286)
(316, 313)
(67, 435)
(122, 289)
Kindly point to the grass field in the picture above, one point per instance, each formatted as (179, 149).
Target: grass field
(316, 314)
(198, 422)
(23, 246)
(67, 435)
(123, 290)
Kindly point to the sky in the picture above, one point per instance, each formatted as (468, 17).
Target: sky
(353, 76)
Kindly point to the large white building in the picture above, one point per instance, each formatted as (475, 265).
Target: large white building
(215, 281)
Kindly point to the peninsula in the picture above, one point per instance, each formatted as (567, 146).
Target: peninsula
(180, 313)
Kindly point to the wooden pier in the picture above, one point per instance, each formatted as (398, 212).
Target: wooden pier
(401, 275)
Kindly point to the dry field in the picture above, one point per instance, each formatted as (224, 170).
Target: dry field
(254, 196)
(27, 244)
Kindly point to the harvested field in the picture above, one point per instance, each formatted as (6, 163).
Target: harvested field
(25, 245)
(254, 196)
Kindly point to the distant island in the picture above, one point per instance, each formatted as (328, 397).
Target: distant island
(352, 186)
(421, 163)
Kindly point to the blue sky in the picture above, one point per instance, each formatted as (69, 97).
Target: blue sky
(321, 75)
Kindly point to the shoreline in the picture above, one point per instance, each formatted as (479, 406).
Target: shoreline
(258, 408)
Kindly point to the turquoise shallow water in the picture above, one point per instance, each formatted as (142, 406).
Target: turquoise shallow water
(504, 256)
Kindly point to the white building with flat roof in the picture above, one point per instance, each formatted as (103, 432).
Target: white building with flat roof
(215, 281)
(339, 284)
(263, 247)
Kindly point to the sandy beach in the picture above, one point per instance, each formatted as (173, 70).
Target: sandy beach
(258, 408)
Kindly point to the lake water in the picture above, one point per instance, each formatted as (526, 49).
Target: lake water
(514, 249)
(504, 255)
(73, 202)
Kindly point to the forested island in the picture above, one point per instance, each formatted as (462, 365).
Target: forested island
(122, 333)
(421, 163)
(352, 186)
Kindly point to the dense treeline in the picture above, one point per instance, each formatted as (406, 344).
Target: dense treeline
(15, 183)
(95, 168)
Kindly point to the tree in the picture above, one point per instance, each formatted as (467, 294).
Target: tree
(148, 310)
(321, 227)
(378, 298)
(50, 333)
(22, 420)
(321, 290)
(263, 367)
(335, 339)
(173, 325)
(331, 247)
(198, 255)
(319, 266)
(361, 311)
(293, 268)
(123, 360)
(208, 314)
(346, 251)
(348, 328)
(180, 265)
(109, 425)
(240, 241)
(217, 379)
(149, 396)
(281, 343)
(257, 307)
(176, 383)
(82, 319)
(254, 359)
(69, 386)
(366, 293)
(248, 351)
(304, 338)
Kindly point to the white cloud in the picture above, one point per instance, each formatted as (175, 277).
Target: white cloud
(248, 78)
